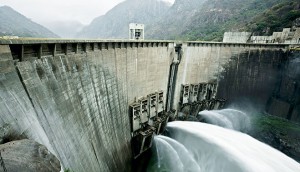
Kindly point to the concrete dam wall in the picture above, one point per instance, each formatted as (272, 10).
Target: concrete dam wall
(241, 71)
(78, 97)
(76, 102)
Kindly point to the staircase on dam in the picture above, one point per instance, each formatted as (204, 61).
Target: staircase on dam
(96, 104)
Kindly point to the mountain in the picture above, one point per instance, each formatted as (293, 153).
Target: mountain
(175, 21)
(114, 24)
(195, 19)
(209, 19)
(283, 15)
(15, 24)
(65, 29)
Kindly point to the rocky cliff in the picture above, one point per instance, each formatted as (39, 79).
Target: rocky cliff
(27, 156)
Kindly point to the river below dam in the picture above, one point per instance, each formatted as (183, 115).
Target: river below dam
(216, 147)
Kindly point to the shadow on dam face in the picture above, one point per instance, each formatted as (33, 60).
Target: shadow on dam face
(74, 96)
(269, 80)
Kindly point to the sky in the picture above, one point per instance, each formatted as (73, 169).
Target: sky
(83, 11)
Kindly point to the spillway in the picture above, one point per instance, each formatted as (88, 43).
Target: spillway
(191, 146)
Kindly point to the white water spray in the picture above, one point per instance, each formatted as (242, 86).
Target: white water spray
(174, 156)
(227, 118)
(216, 149)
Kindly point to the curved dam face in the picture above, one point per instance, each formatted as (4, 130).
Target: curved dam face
(261, 76)
(74, 97)
(76, 101)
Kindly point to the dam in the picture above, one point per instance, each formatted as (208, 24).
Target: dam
(96, 104)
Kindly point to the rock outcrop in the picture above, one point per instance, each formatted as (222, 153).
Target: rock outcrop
(27, 156)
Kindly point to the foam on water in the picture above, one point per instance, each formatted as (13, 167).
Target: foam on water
(204, 147)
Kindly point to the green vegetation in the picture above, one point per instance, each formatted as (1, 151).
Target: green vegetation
(194, 20)
(275, 19)
(271, 123)
(211, 19)
(279, 133)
